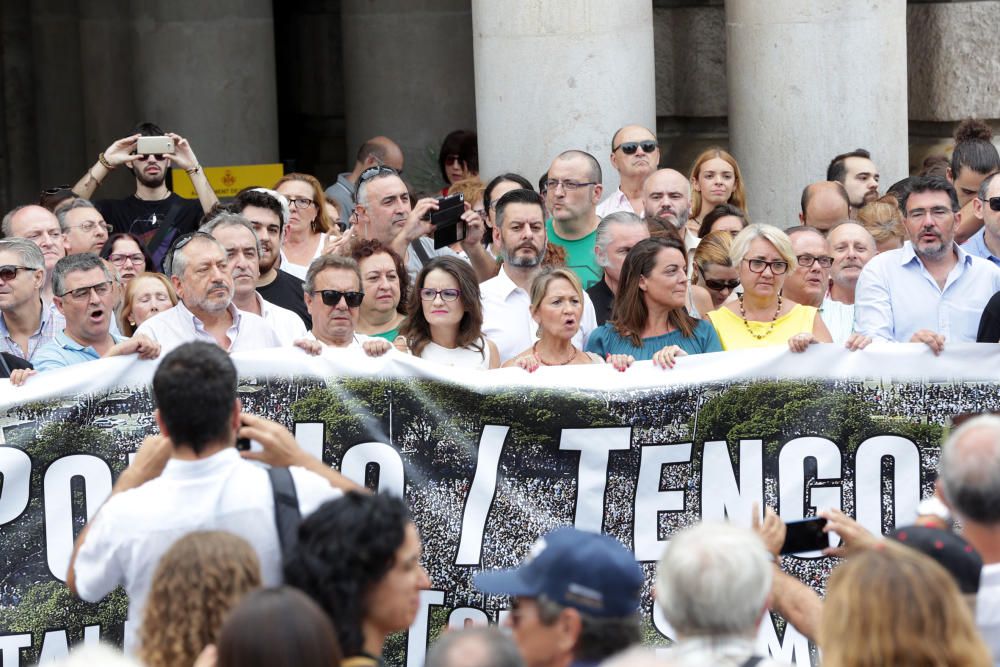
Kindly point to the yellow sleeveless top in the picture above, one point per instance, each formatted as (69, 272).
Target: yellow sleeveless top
(734, 335)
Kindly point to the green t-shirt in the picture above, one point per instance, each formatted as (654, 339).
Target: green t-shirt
(580, 255)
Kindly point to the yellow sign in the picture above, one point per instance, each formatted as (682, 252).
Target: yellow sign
(227, 181)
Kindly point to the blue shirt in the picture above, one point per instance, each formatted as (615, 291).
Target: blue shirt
(976, 246)
(64, 351)
(606, 340)
(896, 297)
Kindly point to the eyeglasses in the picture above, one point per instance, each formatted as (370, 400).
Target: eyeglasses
(89, 226)
(719, 285)
(142, 157)
(777, 267)
(936, 213)
(808, 260)
(994, 202)
(568, 186)
(332, 297)
(300, 202)
(101, 289)
(429, 294)
(136, 259)
(372, 172)
(630, 147)
(9, 271)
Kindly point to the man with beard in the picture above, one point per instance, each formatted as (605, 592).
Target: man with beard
(666, 197)
(199, 271)
(267, 210)
(931, 290)
(859, 176)
(634, 155)
(85, 295)
(520, 236)
(154, 213)
(243, 251)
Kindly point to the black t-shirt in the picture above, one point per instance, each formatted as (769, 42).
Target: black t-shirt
(12, 362)
(286, 291)
(989, 325)
(600, 294)
(146, 218)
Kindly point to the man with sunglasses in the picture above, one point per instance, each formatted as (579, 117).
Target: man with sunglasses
(83, 227)
(333, 295)
(27, 322)
(84, 294)
(154, 213)
(199, 270)
(635, 155)
(986, 242)
(375, 152)
(931, 290)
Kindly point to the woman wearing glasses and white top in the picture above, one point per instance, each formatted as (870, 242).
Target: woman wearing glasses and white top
(761, 317)
(445, 317)
(308, 223)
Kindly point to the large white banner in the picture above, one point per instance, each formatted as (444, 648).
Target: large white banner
(489, 461)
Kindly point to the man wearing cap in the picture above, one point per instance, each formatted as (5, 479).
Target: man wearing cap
(575, 599)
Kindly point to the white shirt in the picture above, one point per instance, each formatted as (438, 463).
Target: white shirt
(896, 297)
(988, 609)
(507, 317)
(299, 270)
(838, 318)
(463, 357)
(133, 530)
(355, 344)
(288, 326)
(616, 201)
(179, 325)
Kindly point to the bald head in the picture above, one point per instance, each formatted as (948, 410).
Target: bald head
(824, 204)
(380, 150)
(41, 227)
(851, 246)
(634, 154)
(666, 199)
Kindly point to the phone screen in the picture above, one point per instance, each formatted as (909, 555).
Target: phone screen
(805, 536)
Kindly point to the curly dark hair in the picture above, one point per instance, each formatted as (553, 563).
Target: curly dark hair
(344, 549)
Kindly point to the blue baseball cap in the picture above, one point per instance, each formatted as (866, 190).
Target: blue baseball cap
(592, 573)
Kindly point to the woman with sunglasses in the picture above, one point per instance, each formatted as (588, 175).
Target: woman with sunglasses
(650, 318)
(128, 255)
(760, 316)
(458, 158)
(445, 317)
(713, 268)
(385, 282)
(715, 179)
(308, 223)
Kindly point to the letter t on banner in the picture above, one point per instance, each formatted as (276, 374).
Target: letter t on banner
(594, 445)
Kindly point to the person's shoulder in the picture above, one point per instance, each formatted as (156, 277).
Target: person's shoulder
(286, 279)
(50, 356)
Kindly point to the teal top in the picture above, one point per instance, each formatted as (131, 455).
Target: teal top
(580, 257)
(389, 335)
(604, 340)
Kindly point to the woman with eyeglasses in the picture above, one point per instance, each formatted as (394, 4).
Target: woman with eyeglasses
(385, 282)
(713, 268)
(650, 318)
(724, 218)
(128, 255)
(715, 180)
(445, 317)
(557, 308)
(308, 223)
(761, 316)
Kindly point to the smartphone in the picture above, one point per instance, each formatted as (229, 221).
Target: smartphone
(243, 444)
(449, 227)
(805, 535)
(158, 145)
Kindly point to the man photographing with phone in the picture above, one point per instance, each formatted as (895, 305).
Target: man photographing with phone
(154, 213)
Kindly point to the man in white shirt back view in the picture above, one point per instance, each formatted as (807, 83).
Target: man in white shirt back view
(192, 478)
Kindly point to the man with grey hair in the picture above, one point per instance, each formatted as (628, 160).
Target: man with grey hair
(85, 295)
(712, 585)
(375, 152)
(969, 484)
(199, 271)
(616, 234)
(243, 250)
(27, 323)
(83, 227)
(474, 647)
(572, 190)
(520, 237)
(40, 226)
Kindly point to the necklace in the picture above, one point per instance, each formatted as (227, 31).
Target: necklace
(534, 350)
(743, 314)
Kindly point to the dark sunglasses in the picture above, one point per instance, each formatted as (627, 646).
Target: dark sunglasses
(142, 157)
(9, 271)
(629, 147)
(994, 203)
(719, 285)
(332, 297)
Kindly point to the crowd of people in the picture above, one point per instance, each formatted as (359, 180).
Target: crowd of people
(214, 552)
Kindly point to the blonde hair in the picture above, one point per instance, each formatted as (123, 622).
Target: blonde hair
(714, 248)
(883, 219)
(739, 196)
(197, 581)
(542, 281)
(779, 239)
(124, 324)
(893, 605)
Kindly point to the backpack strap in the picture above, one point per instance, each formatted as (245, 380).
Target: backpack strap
(286, 507)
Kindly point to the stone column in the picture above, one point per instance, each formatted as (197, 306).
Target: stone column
(809, 79)
(552, 75)
(408, 75)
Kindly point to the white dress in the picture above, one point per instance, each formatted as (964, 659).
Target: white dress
(464, 357)
(298, 270)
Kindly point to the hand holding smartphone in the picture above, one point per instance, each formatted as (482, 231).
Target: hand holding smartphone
(805, 536)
